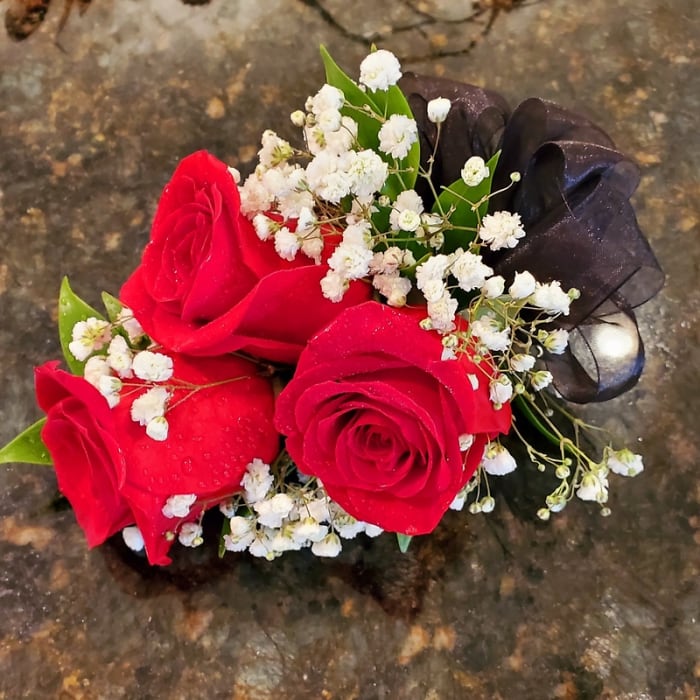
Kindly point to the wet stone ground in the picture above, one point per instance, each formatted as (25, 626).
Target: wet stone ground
(92, 122)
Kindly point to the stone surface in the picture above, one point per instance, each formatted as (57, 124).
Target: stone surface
(503, 607)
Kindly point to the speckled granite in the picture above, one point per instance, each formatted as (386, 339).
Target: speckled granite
(504, 607)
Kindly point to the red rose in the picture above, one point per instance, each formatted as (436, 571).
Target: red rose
(208, 285)
(375, 414)
(113, 474)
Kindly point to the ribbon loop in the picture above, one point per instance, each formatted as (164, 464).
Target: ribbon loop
(573, 199)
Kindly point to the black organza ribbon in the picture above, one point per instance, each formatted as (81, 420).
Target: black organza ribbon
(573, 199)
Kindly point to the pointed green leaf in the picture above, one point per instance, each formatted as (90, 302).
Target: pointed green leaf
(367, 127)
(461, 198)
(71, 309)
(112, 305)
(523, 406)
(27, 447)
(225, 530)
(404, 541)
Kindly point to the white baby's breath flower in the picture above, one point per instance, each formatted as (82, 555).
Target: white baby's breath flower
(334, 286)
(150, 405)
(465, 442)
(408, 199)
(133, 538)
(556, 341)
(344, 524)
(593, 487)
(261, 546)
(501, 230)
(298, 118)
(327, 178)
(522, 363)
(190, 535)
(316, 508)
(329, 546)
(469, 271)
(284, 542)
(152, 366)
(264, 226)
(490, 333)
(351, 260)
(409, 220)
(228, 508)
(433, 290)
(256, 481)
(380, 70)
(178, 506)
(551, 298)
(328, 120)
(434, 268)
(459, 500)
(109, 384)
(474, 171)
(497, 461)
(308, 530)
(438, 109)
(397, 135)
(493, 287)
(442, 313)
(540, 380)
(125, 319)
(95, 368)
(274, 150)
(273, 511)
(406, 212)
(332, 142)
(287, 243)
(312, 245)
(255, 197)
(500, 391)
(241, 535)
(367, 172)
(359, 233)
(624, 462)
(89, 336)
(157, 429)
(120, 357)
(393, 287)
(523, 285)
(328, 97)
(235, 174)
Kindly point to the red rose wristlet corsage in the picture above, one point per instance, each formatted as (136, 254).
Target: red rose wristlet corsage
(349, 340)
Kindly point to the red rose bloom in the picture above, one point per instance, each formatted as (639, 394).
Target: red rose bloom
(375, 414)
(113, 474)
(207, 285)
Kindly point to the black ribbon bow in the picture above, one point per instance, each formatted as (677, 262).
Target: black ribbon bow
(573, 199)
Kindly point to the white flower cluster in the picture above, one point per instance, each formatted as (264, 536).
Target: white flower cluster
(268, 520)
(382, 235)
(110, 356)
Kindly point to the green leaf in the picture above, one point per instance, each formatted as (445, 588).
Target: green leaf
(523, 406)
(225, 530)
(27, 447)
(112, 305)
(460, 198)
(71, 309)
(404, 541)
(367, 126)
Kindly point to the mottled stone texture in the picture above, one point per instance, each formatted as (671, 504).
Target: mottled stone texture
(504, 607)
